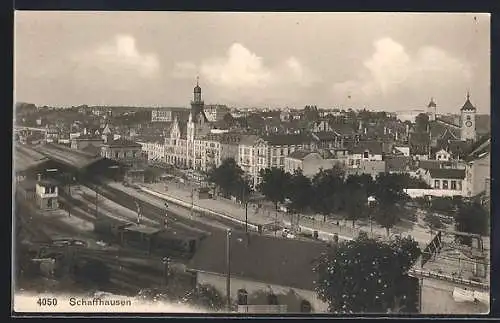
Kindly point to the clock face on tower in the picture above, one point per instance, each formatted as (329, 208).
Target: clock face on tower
(468, 123)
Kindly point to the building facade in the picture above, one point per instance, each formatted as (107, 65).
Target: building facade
(46, 195)
(125, 152)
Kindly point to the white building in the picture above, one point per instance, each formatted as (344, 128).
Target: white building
(443, 155)
(468, 121)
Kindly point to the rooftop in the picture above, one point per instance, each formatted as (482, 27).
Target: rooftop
(122, 143)
(447, 173)
(284, 262)
(375, 147)
(288, 139)
(66, 155)
(26, 158)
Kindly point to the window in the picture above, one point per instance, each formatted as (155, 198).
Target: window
(459, 185)
(453, 185)
(436, 183)
(281, 152)
(468, 118)
(366, 154)
(445, 185)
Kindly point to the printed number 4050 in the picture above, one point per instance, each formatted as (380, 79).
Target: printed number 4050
(47, 302)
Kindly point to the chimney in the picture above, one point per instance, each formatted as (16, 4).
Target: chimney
(385, 130)
(365, 131)
(38, 177)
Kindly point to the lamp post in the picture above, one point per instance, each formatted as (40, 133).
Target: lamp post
(228, 269)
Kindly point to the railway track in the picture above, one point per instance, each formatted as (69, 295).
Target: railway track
(150, 211)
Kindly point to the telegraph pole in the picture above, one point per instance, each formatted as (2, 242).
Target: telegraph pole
(192, 202)
(228, 269)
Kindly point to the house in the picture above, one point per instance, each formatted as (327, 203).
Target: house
(405, 150)
(46, 194)
(420, 145)
(443, 155)
(445, 179)
(368, 167)
(397, 164)
(124, 151)
(366, 151)
(86, 140)
(260, 264)
(310, 162)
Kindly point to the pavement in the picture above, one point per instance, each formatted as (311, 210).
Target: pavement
(263, 215)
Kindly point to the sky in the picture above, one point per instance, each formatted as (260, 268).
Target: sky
(381, 61)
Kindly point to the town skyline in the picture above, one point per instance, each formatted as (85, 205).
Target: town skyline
(71, 59)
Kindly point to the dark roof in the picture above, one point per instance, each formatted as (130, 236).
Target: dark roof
(300, 154)
(27, 185)
(67, 156)
(27, 158)
(468, 105)
(447, 173)
(480, 151)
(444, 130)
(396, 163)
(325, 135)
(419, 138)
(287, 139)
(122, 143)
(89, 137)
(375, 147)
(47, 182)
(284, 262)
(432, 164)
(342, 128)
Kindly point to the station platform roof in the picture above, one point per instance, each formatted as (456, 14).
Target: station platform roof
(26, 158)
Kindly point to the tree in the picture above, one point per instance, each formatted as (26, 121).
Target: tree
(274, 185)
(472, 217)
(433, 221)
(389, 192)
(422, 122)
(327, 187)
(300, 192)
(356, 204)
(228, 177)
(368, 276)
(207, 296)
(364, 181)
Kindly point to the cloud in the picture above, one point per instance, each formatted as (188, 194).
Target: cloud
(243, 75)
(121, 55)
(184, 70)
(391, 71)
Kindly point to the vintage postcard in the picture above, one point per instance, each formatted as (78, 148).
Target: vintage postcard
(224, 162)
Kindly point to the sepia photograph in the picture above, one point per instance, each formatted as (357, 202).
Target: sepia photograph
(244, 163)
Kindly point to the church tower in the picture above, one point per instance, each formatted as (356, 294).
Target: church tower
(431, 110)
(468, 121)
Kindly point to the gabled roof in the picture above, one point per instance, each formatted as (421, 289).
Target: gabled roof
(26, 158)
(287, 139)
(325, 135)
(91, 149)
(447, 173)
(374, 147)
(122, 143)
(482, 150)
(67, 156)
(397, 163)
(300, 154)
(284, 262)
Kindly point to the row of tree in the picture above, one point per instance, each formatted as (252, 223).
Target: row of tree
(355, 197)
(329, 192)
